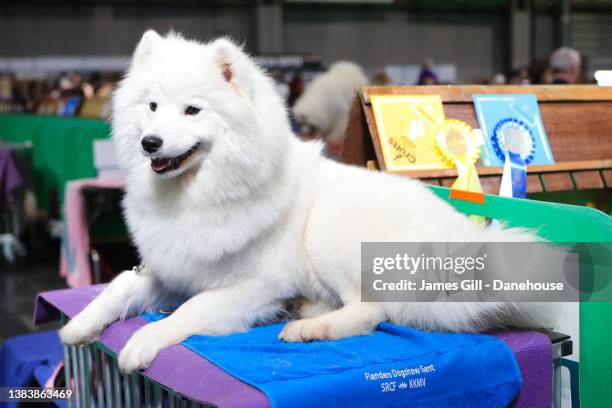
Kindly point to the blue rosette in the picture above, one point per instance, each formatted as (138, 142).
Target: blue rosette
(513, 142)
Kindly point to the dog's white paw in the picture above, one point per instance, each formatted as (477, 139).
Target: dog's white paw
(140, 350)
(78, 331)
(307, 330)
(322, 328)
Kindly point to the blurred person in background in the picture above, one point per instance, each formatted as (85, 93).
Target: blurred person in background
(521, 77)
(381, 79)
(499, 79)
(296, 88)
(540, 72)
(70, 85)
(322, 111)
(548, 76)
(565, 63)
(427, 75)
(91, 85)
(105, 90)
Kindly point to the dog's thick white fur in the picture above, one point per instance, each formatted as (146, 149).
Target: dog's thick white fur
(326, 101)
(255, 217)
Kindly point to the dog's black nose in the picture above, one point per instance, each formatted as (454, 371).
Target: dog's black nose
(151, 144)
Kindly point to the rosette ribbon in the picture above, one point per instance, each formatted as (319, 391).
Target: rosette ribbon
(458, 146)
(513, 143)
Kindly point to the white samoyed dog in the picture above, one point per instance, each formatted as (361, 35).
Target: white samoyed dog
(326, 102)
(235, 215)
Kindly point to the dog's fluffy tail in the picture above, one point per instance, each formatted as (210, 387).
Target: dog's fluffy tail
(472, 317)
(479, 316)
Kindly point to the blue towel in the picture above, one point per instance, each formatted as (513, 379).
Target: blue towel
(394, 367)
(23, 357)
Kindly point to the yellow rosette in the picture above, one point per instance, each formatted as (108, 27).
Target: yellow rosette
(458, 146)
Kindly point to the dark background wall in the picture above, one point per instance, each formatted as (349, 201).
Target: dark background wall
(487, 37)
(109, 30)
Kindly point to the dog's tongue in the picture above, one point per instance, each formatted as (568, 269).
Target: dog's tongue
(160, 164)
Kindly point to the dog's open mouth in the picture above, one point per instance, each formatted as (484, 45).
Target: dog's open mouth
(165, 164)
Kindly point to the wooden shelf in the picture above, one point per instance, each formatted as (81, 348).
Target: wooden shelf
(578, 166)
(464, 93)
(577, 119)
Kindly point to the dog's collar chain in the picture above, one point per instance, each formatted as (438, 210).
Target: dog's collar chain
(139, 269)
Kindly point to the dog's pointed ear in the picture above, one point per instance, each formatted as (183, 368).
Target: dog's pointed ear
(145, 47)
(232, 62)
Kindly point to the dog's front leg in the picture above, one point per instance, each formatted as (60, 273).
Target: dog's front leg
(214, 312)
(128, 294)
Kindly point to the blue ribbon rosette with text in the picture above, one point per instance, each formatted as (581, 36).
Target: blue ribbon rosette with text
(514, 144)
(514, 137)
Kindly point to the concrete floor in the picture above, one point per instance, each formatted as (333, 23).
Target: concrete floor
(18, 289)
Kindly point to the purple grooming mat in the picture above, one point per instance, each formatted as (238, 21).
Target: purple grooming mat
(178, 368)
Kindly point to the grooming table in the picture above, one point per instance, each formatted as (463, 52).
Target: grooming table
(195, 378)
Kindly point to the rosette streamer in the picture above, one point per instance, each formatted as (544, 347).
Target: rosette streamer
(513, 142)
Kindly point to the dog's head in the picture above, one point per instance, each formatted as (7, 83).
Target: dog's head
(187, 107)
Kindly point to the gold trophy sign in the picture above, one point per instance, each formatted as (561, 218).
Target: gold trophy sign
(407, 128)
(414, 135)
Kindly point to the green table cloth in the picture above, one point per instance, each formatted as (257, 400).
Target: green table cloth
(62, 149)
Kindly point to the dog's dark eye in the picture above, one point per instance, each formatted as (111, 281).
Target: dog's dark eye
(192, 110)
(153, 106)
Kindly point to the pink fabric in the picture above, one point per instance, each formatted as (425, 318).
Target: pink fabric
(51, 381)
(74, 260)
